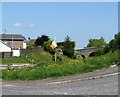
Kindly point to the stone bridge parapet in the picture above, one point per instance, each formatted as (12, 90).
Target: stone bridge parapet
(87, 51)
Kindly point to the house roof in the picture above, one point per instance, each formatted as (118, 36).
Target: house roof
(5, 43)
(11, 36)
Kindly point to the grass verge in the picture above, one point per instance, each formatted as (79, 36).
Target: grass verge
(46, 68)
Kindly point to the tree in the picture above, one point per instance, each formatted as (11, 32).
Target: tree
(117, 40)
(96, 42)
(68, 47)
(106, 49)
(40, 40)
(114, 44)
(46, 47)
(30, 44)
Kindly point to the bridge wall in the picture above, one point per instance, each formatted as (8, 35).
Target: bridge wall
(87, 51)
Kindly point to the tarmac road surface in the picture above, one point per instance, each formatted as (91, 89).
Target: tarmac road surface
(103, 82)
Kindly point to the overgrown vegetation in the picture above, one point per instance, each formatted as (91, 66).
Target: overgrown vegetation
(47, 68)
(37, 56)
(46, 47)
(96, 42)
(114, 44)
(31, 44)
(68, 47)
(10, 60)
(99, 44)
(40, 40)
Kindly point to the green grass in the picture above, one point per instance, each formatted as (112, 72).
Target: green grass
(30, 44)
(47, 68)
(0, 61)
(14, 60)
(38, 57)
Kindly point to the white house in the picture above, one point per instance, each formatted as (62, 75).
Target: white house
(10, 44)
(16, 52)
(24, 45)
(5, 49)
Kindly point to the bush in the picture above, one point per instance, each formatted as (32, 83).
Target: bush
(114, 44)
(68, 47)
(96, 42)
(47, 47)
(40, 40)
(99, 52)
(106, 49)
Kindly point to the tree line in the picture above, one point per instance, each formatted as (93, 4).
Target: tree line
(68, 46)
(113, 44)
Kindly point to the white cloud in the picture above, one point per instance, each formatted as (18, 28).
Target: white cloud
(22, 25)
(17, 25)
(31, 25)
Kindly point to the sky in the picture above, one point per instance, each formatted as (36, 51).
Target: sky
(81, 21)
(118, 16)
(60, 0)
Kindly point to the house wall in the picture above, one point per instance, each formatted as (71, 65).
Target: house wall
(15, 44)
(24, 45)
(5, 51)
(5, 54)
(16, 53)
(4, 48)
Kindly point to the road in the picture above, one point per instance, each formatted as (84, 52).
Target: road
(94, 83)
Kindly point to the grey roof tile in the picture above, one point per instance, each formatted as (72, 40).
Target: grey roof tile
(11, 36)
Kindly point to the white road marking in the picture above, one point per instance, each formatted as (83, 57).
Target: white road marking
(56, 93)
(61, 93)
(57, 82)
(65, 93)
(105, 85)
(8, 85)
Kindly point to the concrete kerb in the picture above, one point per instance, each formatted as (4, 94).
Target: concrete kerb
(87, 78)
